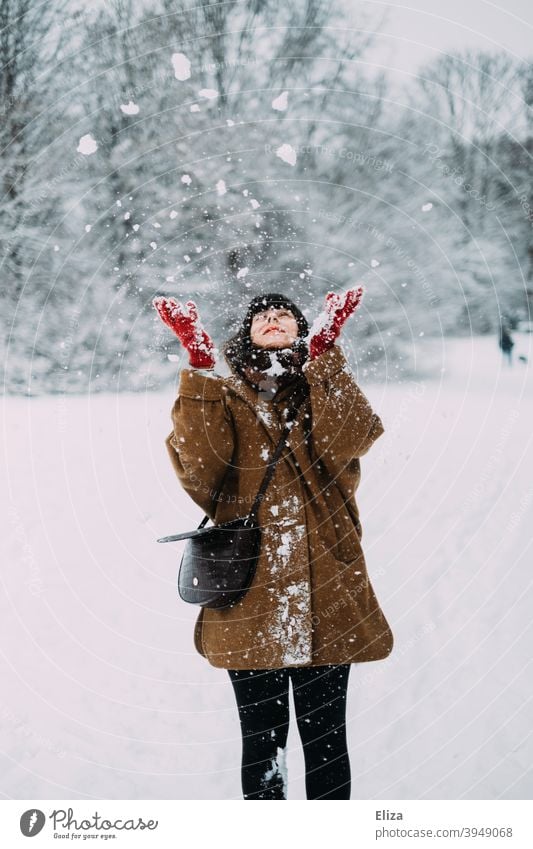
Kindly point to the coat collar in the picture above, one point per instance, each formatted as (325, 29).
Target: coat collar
(265, 415)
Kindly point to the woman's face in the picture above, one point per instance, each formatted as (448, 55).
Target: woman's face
(275, 327)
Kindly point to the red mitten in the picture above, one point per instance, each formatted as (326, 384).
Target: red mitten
(327, 326)
(187, 327)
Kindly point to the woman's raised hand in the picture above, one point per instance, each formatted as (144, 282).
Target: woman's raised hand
(185, 323)
(328, 325)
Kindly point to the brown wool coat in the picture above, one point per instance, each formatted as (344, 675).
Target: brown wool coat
(311, 601)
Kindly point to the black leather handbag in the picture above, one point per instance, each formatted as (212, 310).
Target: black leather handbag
(218, 563)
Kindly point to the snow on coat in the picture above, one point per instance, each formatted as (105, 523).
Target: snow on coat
(311, 601)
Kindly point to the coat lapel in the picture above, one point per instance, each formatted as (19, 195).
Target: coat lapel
(267, 417)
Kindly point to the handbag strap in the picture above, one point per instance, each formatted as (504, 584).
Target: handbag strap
(268, 474)
(252, 516)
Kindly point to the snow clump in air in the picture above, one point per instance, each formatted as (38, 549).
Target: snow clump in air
(87, 145)
(221, 187)
(129, 108)
(186, 179)
(208, 93)
(287, 153)
(182, 66)
(427, 207)
(280, 103)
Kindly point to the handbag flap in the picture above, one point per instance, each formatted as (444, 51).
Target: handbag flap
(241, 522)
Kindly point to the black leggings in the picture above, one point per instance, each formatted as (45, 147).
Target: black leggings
(320, 700)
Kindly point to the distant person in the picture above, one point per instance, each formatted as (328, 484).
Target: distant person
(506, 343)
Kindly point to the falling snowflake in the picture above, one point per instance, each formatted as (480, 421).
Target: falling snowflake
(374, 263)
(242, 272)
(129, 108)
(182, 66)
(427, 207)
(221, 187)
(287, 153)
(280, 103)
(87, 145)
(186, 179)
(208, 93)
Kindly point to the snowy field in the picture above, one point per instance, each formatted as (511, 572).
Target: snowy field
(103, 695)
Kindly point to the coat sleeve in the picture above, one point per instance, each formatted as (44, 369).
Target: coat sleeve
(344, 425)
(202, 439)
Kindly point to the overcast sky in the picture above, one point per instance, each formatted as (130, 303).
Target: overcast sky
(417, 30)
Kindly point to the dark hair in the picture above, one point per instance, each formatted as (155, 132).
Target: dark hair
(240, 352)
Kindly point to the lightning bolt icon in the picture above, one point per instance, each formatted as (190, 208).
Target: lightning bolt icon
(33, 820)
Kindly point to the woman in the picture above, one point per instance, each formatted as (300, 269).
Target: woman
(311, 611)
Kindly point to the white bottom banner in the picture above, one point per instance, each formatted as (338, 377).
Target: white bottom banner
(153, 822)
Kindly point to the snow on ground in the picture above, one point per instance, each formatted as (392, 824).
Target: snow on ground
(103, 693)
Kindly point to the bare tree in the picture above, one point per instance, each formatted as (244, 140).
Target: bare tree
(31, 42)
(471, 98)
